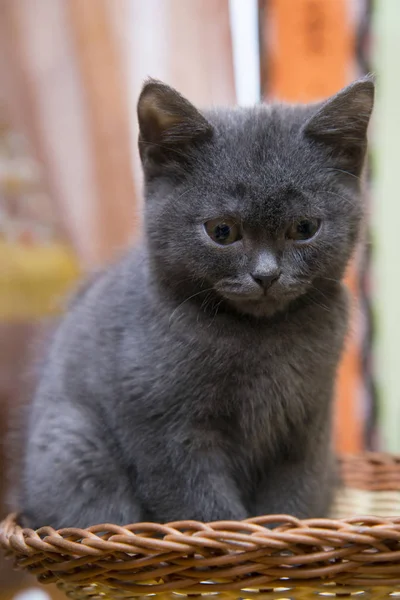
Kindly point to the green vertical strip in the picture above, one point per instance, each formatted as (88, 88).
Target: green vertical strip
(386, 217)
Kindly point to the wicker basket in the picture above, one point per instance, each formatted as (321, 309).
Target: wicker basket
(345, 555)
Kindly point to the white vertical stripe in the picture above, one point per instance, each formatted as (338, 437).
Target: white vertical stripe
(246, 50)
(386, 217)
(148, 57)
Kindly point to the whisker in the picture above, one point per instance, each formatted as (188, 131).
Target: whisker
(342, 171)
(319, 304)
(204, 305)
(185, 192)
(187, 300)
(335, 194)
(321, 292)
(330, 279)
(215, 313)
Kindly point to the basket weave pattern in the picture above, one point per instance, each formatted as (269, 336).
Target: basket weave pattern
(108, 561)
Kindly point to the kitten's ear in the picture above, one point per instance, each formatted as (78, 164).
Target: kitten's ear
(169, 125)
(341, 124)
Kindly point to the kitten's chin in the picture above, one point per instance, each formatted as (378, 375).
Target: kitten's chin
(261, 307)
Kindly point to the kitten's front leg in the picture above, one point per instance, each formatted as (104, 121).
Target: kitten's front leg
(71, 478)
(179, 481)
(302, 488)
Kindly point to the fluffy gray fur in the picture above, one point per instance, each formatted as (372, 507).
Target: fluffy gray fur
(178, 386)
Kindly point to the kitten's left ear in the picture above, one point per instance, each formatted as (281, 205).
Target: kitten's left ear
(341, 124)
(169, 126)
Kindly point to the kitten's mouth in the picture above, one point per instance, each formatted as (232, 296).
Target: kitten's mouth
(256, 303)
(231, 290)
(273, 295)
(264, 303)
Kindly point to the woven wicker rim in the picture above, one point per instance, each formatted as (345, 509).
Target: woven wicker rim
(195, 557)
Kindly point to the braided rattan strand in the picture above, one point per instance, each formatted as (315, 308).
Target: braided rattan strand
(108, 561)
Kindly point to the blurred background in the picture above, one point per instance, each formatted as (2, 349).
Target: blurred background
(70, 180)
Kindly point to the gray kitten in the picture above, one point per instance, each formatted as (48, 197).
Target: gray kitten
(194, 378)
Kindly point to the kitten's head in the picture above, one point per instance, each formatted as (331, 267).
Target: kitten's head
(258, 204)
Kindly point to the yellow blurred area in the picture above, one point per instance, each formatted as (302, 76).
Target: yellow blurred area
(34, 279)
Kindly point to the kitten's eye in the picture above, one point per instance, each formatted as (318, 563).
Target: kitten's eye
(303, 229)
(223, 231)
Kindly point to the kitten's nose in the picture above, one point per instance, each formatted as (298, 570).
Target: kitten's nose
(265, 280)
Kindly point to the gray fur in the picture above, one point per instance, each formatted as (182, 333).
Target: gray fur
(175, 388)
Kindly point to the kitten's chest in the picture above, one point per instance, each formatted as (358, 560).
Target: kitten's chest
(270, 385)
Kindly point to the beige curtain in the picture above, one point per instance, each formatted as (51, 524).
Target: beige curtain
(72, 70)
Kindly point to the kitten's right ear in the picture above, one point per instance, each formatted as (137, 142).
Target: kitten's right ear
(341, 124)
(169, 125)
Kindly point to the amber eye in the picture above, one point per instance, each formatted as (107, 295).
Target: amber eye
(223, 231)
(303, 230)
